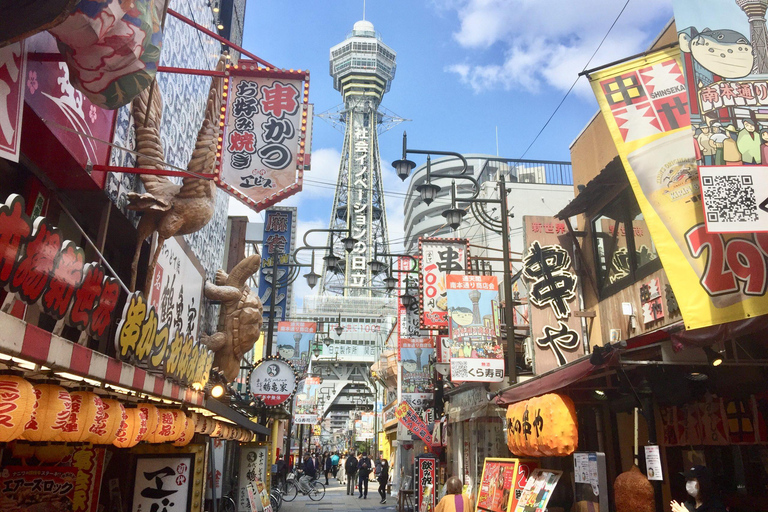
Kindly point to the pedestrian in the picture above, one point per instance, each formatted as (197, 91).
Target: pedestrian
(383, 478)
(327, 467)
(341, 476)
(350, 468)
(282, 470)
(700, 486)
(310, 472)
(454, 500)
(335, 463)
(363, 471)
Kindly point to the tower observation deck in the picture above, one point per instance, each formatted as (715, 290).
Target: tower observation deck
(363, 68)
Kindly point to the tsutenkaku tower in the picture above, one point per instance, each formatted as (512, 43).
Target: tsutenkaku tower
(362, 67)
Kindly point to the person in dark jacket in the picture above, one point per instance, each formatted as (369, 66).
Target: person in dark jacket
(328, 466)
(699, 484)
(363, 470)
(383, 478)
(310, 473)
(350, 467)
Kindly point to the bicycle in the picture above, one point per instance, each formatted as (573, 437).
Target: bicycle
(316, 490)
(276, 498)
(227, 502)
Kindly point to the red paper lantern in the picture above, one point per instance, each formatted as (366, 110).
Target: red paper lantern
(187, 434)
(17, 404)
(86, 418)
(132, 429)
(114, 412)
(151, 412)
(52, 410)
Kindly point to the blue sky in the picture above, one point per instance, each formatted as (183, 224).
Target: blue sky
(464, 68)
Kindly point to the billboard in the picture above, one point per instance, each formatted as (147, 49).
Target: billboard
(416, 385)
(294, 342)
(439, 257)
(279, 236)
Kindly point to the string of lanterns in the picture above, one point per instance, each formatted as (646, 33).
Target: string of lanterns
(49, 413)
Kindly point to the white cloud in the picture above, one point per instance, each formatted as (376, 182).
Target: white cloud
(529, 42)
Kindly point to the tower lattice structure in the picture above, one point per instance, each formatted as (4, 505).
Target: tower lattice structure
(363, 68)
(755, 11)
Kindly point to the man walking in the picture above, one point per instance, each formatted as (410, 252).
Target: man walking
(363, 471)
(335, 463)
(382, 466)
(350, 468)
(327, 466)
(310, 472)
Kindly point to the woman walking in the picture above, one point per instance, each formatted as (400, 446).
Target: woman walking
(383, 478)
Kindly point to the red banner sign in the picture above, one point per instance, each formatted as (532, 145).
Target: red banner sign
(413, 422)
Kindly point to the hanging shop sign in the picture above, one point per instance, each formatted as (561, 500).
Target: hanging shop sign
(177, 288)
(294, 342)
(265, 122)
(163, 482)
(650, 301)
(544, 426)
(425, 476)
(502, 483)
(141, 339)
(253, 470)
(715, 278)
(13, 73)
(305, 406)
(411, 420)
(408, 318)
(538, 490)
(279, 234)
(416, 383)
(273, 381)
(552, 293)
(439, 257)
(727, 97)
(40, 267)
(473, 311)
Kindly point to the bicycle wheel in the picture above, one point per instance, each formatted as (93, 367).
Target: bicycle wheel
(227, 504)
(316, 491)
(291, 490)
(275, 502)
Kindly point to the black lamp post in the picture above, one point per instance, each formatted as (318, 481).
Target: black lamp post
(454, 216)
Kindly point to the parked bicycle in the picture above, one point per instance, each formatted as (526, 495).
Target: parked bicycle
(314, 489)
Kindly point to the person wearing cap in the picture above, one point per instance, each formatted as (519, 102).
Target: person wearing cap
(701, 489)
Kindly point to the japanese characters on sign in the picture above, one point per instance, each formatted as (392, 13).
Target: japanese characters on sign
(279, 233)
(305, 407)
(650, 300)
(426, 482)
(473, 309)
(253, 469)
(411, 420)
(416, 385)
(294, 342)
(39, 266)
(13, 74)
(552, 293)
(345, 352)
(273, 381)
(439, 257)
(408, 318)
(44, 486)
(545, 425)
(265, 123)
(163, 483)
(360, 214)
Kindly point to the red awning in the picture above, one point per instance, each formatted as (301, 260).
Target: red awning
(554, 379)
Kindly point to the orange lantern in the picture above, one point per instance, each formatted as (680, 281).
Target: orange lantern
(86, 418)
(51, 413)
(209, 425)
(114, 413)
(151, 413)
(17, 404)
(170, 425)
(133, 429)
(544, 426)
(189, 432)
(52, 453)
(217, 429)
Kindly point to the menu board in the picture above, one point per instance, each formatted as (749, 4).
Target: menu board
(502, 483)
(538, 490)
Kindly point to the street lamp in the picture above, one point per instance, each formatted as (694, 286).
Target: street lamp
(339, 328)
(390, 282)
(453, 215)
(312, 277)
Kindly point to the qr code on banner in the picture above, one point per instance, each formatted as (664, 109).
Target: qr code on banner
(729, 198)
(459, 370)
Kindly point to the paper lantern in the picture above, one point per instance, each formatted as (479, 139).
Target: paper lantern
(133, 429)
(114, 413)
(86, 418)
(17, 404)
(209, 426)
(544, 426)
(51, 413)
(188, 433)
(170, 425)
(22, 450)
(151, 412)
(52, 453)
(217, 429)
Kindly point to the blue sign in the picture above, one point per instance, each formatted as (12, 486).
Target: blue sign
(279, 232)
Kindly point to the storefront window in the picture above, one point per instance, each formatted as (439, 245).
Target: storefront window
(624, 250)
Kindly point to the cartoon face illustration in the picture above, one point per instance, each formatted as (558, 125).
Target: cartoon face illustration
(409, 365)
(286, 351)
(461, 316)
(725, 53)
(273, 370)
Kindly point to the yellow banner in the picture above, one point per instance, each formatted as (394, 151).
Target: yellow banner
(715, 278)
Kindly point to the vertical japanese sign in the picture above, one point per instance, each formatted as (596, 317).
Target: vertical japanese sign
(360, 205)
(265, 123)
(253, 469)
(473, 309)
(553, 293)
(715, 278)
(305, 407)
(425, 468)
(279, 234)
(416, 385)
(294, 342)
(163, 483)
(725, 60)
(13, 74)
(411, 420)
(408, 318)
(438, 258)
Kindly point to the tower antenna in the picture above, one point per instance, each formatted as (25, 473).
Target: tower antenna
(363, 10)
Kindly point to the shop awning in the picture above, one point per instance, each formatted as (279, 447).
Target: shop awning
(610, 180)
(555, 379)
(227, 412)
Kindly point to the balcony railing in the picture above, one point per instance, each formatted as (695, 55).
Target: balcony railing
(540, 172)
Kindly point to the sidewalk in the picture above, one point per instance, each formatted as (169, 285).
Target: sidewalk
(336, 499)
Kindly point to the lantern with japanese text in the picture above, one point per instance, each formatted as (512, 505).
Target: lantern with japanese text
(133, 428)
(114, 413)
(187, 434)
(17, 404)
(170, 425)
(52, 453)
(51, 413)
(86, 418)
(217, 429)
(544, 426)
(152, 414)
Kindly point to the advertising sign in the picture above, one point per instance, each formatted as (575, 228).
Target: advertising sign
(416, 385)
(265, 122)
(273, 381)
(425, 468)
(408, 318)
(54, 488)
(715, 278)
(294, 341)
(473, 309)
(305, 407)
(13, 72)
(502, 483)
(439, 257)
(163, 482)
(553, 293)
(348, 352)
(253, 469)
(538, 490)
(279, 236)
(411, 420)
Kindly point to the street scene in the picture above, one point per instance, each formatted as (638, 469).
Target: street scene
(383, 255)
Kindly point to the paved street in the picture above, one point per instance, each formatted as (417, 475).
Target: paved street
(336, 499)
